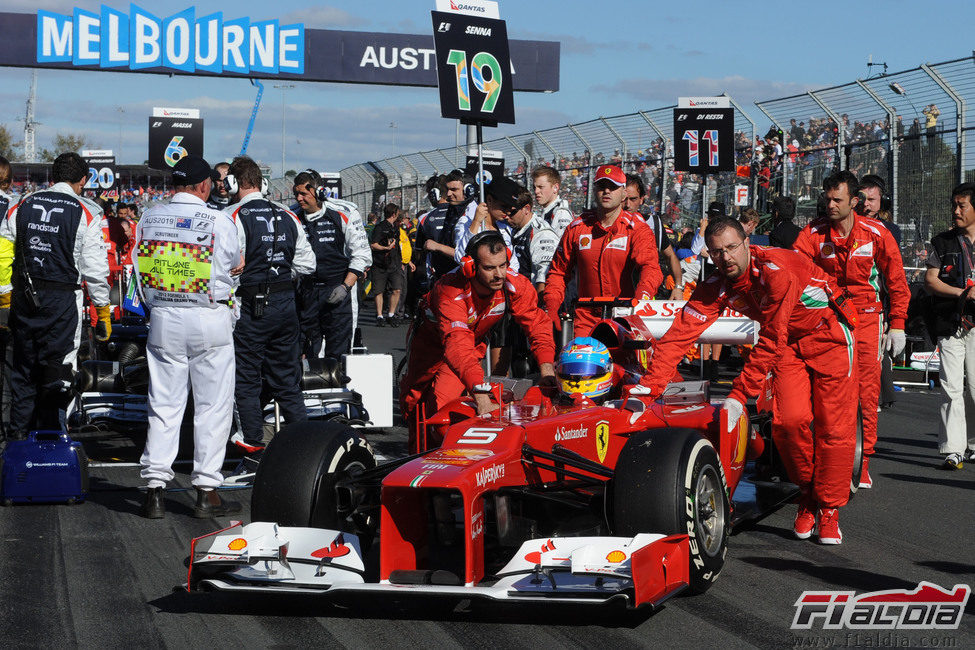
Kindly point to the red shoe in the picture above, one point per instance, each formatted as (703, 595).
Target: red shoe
(865, 481)
(805, 521)
(238, 439)
(828, 528)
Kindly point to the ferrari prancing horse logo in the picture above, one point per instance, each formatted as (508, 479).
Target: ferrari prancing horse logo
(602, 439)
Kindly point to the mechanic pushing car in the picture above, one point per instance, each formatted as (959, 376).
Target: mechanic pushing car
(613, 251)
(810, 350)
(447, 343)
(862, 255)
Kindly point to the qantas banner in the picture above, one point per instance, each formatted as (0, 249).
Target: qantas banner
(197, 42)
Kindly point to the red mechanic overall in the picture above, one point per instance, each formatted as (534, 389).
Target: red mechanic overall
(448, 344)
(859, 263)
(810, 351)
(606, 261)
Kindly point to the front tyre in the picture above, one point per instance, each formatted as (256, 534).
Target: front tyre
(298, 482)
(670, 481)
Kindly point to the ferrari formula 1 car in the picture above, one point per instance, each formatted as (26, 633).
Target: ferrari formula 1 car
(543, 500)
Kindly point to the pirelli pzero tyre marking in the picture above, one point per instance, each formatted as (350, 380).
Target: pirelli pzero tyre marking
(857, 456)
(296, 479)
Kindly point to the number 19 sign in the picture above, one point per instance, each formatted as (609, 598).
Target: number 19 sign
(704, 135)
(473, 68)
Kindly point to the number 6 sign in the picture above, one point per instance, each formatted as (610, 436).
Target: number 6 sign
(473, 68)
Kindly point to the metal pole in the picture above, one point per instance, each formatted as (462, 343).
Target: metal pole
(891, 145)
(618, 137)
(432, 164)
(704, 206)
(960, 108)
(539, 137)
(524, 155)
(450, 162)
(753, 174)
(748, 117)
(121, 111)
(479, 134)
(416, 179)
(589, 175)
(283, 88)
(471, 139)
(663, 161)
(840, 140)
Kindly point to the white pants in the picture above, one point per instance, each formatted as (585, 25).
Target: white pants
(189, 346)
(958, 383)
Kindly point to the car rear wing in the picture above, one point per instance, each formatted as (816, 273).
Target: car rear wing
(731, 328)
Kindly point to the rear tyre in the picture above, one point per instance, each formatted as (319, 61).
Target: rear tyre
(670, 481)
(295, 484)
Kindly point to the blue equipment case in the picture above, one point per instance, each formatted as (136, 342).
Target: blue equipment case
(47, 467)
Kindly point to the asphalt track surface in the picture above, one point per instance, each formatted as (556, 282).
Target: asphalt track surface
(99, 575)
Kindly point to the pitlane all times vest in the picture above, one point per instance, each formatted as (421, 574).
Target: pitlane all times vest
(174, 261)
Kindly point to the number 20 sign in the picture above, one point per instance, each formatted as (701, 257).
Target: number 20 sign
(473, 68)
(704, 137)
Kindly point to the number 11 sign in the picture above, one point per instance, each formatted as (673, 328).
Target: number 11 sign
(704, 135)
(473, 68)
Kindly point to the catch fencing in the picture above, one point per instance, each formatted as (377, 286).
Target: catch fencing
(929, 150)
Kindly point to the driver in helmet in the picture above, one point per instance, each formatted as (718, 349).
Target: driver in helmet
(584, 367)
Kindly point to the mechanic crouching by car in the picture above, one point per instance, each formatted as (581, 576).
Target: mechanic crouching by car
(803, 339)
(186, 257)
(447, 343)
(266, 339)
(58, 243)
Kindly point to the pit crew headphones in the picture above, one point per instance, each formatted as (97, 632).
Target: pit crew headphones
(321, 194)
(433, 192)
(873, 180)
(468, 264)
(470, 189)
(230, 182)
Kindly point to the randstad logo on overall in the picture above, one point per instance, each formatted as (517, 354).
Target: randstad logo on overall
(139, 39)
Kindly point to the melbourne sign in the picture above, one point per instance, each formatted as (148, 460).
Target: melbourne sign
(140, 39)
(202, 42)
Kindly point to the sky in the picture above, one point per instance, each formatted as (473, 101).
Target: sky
(616, 58)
